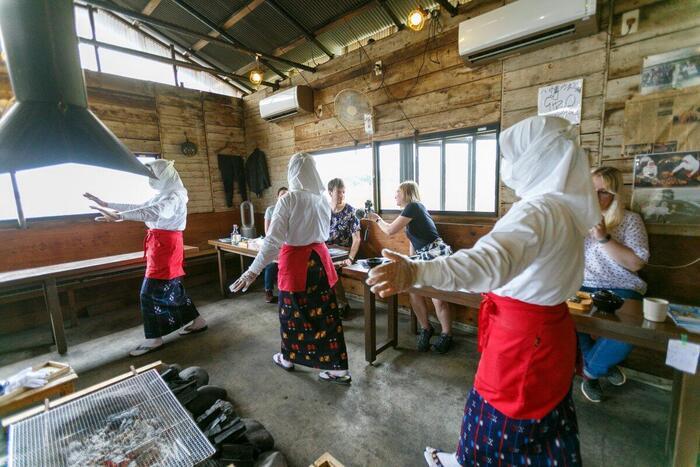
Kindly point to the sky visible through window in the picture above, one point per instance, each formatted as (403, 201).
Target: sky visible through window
(354, 167)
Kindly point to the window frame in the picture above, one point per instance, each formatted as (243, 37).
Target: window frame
(442, 136)
(7, 223)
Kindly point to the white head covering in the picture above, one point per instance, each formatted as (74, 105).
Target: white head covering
(540, 156)
(302, 174)
(167, 179)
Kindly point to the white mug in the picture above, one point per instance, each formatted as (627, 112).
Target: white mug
(655, 309)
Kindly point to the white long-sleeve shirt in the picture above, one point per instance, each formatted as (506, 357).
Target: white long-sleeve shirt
(300, 218)
(533, 254)
(167, 211)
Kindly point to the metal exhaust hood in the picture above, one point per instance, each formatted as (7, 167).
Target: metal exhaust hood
(50, 122)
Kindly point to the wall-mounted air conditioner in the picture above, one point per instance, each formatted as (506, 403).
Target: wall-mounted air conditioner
(522, 25)
(292, 101)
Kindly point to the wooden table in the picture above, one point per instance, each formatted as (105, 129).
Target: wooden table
(627, 324)
(50, 276)
(250, 250)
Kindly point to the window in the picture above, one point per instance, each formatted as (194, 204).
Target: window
(110, 30)
(457, 171)
(58, 190)
(354, 167)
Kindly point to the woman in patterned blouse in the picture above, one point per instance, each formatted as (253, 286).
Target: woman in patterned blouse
(345, 232)
(614, 251)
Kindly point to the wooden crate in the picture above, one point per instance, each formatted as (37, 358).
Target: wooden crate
(326, 460)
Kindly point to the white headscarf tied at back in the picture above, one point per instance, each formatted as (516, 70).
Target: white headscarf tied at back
(167, 179)
(541, 156)
(302, 174)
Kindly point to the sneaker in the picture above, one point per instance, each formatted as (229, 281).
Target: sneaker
(591, 390)
(423, 341)
(616, 377)
(443, 344)
(269, 297)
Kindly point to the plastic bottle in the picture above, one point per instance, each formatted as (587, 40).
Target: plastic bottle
(235, 235)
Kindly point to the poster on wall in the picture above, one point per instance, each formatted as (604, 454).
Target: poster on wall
(667, 121)
(561, 100)
(667, 188)
(671, 70)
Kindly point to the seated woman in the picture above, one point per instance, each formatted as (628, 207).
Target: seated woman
(426, 244)
(271, 269)
(345, 232)
(615, 250)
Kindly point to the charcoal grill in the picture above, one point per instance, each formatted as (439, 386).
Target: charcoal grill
(136, 422)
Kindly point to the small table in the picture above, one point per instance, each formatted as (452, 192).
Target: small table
(49, 276)
(251, 250)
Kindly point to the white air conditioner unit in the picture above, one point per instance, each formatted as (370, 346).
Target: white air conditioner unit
(292, 101)
(523, 25)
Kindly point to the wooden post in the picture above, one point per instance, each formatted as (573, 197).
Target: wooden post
(54, 306)
(18, 202)
(393, 314)
(370, 325)
(222, 271)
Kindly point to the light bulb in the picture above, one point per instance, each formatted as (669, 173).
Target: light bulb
(416, 19)
(256, 77)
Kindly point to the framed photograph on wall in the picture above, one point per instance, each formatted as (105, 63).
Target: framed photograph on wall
(671, 70)
(667, 188)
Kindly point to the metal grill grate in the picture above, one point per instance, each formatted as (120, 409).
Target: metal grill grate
(136, 422)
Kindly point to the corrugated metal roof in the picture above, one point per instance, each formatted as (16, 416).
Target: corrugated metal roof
(267, 30)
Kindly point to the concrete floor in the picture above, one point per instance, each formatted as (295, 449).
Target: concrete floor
(393, 409)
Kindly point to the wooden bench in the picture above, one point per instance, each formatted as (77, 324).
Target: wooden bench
(49, 278)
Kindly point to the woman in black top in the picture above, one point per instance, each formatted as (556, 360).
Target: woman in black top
(426, 244)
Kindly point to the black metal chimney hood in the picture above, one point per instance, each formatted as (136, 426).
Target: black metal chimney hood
(49, 123)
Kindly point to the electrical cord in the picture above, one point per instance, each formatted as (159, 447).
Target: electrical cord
(665, 266)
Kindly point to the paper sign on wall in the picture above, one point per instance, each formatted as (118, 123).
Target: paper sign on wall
(683, 355)
(561, 100)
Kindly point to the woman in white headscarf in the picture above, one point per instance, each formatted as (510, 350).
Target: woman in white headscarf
(310, 325)
(165, 305)
(520, 410)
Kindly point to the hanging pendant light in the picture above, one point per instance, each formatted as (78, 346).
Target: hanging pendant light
(416, 19)
(256, 75)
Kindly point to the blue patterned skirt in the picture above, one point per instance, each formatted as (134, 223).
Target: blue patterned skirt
(165, 306)
(490, 438)
(433, 250)
(310, 325)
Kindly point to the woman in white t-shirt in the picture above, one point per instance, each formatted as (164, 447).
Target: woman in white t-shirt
(271, 269)
(614, 251)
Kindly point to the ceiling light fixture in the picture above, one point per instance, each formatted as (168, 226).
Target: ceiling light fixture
(417, 18)
(256, 75)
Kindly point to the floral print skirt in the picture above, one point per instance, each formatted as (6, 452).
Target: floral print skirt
(165, 306)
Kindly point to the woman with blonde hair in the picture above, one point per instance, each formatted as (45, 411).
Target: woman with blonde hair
(310, 325)
(426, 245)
(614, 250)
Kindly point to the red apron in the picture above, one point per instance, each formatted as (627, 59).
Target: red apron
(293, 263)
(528, 355)
(164, 253)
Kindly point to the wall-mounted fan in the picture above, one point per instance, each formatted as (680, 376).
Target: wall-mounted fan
(353, 108)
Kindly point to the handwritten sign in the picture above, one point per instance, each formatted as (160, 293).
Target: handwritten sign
(561, 100)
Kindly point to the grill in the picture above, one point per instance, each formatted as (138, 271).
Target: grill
(136, 422)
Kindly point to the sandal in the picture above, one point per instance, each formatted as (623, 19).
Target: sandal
(431, 457)
(144, 349)
(331, 378)
(187, 330)
(277, 359)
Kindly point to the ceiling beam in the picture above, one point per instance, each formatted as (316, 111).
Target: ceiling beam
(108, 6)
(241, 85)
(230, 22)
(150, 6)
(332, 23)
(308, 34)
(450, 8)
(160, 58)
(387, 9)
(223, 34)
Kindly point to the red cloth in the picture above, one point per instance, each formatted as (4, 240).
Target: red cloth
(164, 252)
(293, 263)
(528, 354)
